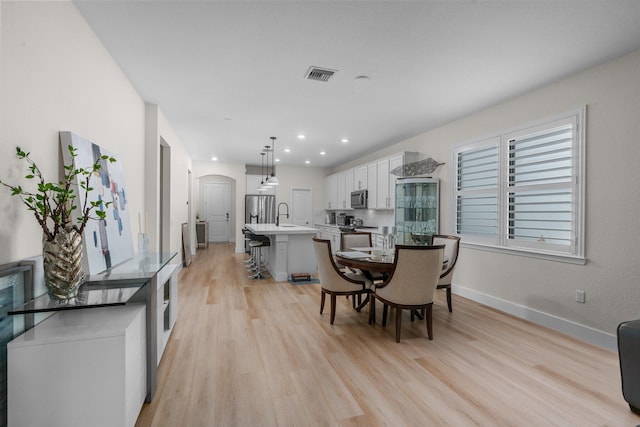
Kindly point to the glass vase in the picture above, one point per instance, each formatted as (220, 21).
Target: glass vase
(63, 273)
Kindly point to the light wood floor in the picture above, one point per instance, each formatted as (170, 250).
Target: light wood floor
(258, 353)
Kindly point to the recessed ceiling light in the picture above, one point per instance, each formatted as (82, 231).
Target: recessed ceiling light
(344, 140)
(307, 161)
(362, 79)
(277, 160)
(322, 153)
(287, 150)
(301, 136)
(214, 158)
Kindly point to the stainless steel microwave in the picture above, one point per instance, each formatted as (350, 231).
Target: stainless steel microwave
(359, 199)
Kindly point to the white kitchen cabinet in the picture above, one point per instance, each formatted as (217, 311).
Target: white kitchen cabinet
(348, 182)
(341, 190)
(360, 178)
(332, 234)
(383, 201)
(372, 185)
(386, 182)
(331, 192)
(394, 162)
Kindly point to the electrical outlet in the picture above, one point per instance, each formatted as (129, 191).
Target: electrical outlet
(580, 296)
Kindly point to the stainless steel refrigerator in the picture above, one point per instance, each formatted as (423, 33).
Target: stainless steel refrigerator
(259, 209)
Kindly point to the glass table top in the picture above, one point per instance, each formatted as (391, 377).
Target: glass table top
(112, 287)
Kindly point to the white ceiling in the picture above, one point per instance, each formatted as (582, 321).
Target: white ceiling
(229, 75)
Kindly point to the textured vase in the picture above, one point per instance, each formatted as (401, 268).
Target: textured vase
(63, 273)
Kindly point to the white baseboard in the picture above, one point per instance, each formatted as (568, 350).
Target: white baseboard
(573, 329)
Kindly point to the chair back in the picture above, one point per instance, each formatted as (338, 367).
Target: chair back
(415, 275)
(331, 278)
(356, 239)
(451, 249)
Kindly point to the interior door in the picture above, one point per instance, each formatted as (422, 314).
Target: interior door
(217, 205)
(301, 207)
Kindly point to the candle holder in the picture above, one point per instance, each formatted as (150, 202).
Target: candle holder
(143, 243)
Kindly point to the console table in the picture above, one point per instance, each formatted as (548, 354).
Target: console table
(147, 278)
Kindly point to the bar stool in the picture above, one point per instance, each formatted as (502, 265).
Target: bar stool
(256, 244)
(248, 236)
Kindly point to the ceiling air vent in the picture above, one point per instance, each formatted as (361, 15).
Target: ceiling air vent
(320, 74)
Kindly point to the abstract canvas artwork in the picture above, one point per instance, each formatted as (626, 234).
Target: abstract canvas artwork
(107, 242)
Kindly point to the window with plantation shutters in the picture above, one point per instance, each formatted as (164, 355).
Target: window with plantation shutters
(523, 190)
(477, 195)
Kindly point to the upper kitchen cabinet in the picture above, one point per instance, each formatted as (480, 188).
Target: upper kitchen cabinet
(374, 177)
(360, 178)
(372, 185)
(348, 187)
(383, 185)
(386, 182)
(331, 192)
(338, 188)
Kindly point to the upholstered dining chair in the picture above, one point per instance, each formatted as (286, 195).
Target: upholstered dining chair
(355, 239)
(332, 280)
(451, 250)
(411, 284)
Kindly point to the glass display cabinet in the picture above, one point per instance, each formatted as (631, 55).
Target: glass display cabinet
(417, 210)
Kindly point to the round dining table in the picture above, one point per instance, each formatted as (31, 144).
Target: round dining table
(373, 263)
(371, 260)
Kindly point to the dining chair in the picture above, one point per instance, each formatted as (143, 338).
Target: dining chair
(451, 250)
(355, 239)
(411, 284)
(332, 280)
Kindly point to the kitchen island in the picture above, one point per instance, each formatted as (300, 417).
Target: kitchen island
(291, 250)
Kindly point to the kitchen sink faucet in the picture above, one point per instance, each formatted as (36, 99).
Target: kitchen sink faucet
(278, 216)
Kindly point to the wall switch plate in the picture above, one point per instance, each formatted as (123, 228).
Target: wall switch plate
(580, 296)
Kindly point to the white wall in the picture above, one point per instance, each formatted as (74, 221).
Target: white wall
(291, 177)
(545, 290)
(56, 75)
(159, 132)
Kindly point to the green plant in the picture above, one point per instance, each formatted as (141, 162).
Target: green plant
(53, 203)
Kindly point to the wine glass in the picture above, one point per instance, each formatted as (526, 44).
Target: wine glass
(385, 234)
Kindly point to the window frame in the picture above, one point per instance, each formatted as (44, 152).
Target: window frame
(574, 253)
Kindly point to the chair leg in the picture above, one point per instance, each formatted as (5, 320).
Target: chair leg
(385, 310)
(322, 295)
(429, 316)
(372, 310)
(333, 308)
(398, 322)
(449, 299)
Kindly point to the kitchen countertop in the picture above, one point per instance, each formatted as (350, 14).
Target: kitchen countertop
(371, 229)
(280, 229)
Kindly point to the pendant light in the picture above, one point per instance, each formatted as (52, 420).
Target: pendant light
(262, 187)
(273, 180)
